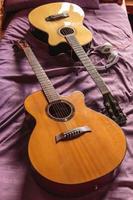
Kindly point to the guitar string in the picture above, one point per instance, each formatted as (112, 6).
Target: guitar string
(58, 108)
(101, 85)
(66, 124)
(75, 146)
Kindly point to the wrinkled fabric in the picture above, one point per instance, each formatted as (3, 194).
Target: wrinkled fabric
(15, 5)
(17, 81)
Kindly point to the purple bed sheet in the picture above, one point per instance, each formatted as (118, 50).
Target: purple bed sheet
(17, 80)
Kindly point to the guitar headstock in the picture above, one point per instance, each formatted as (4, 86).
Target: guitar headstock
(113, 109)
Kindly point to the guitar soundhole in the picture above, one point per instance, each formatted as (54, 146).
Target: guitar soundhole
(60, 110)
(66, 31)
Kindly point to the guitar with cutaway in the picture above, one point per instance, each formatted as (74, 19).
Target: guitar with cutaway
(63, 26)
(72, 149)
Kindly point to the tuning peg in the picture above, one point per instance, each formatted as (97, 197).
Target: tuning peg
(110, 111)
(107, 104)
(114, 118)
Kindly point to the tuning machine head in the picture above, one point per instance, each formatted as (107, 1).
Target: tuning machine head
(113, 109)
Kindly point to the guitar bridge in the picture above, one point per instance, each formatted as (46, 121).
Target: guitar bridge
(74, 133)
(57, 16)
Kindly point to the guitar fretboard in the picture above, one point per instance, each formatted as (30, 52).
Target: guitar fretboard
(78, 49)
(42, 77)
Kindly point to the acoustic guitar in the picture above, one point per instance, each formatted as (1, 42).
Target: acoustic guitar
(62, 23)
(72, 149)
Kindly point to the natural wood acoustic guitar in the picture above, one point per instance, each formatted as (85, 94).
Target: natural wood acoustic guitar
(55, 21)
(61, 24)
(72, 150)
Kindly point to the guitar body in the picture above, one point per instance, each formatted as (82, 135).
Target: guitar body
(74, 166)
(52, 30)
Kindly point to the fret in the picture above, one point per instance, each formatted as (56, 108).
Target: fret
(78, 49)
(42, 77)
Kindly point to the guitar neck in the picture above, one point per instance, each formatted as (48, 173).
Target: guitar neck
(78, 49)
(42, 77)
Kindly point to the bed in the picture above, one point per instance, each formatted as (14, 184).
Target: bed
(108, 23)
